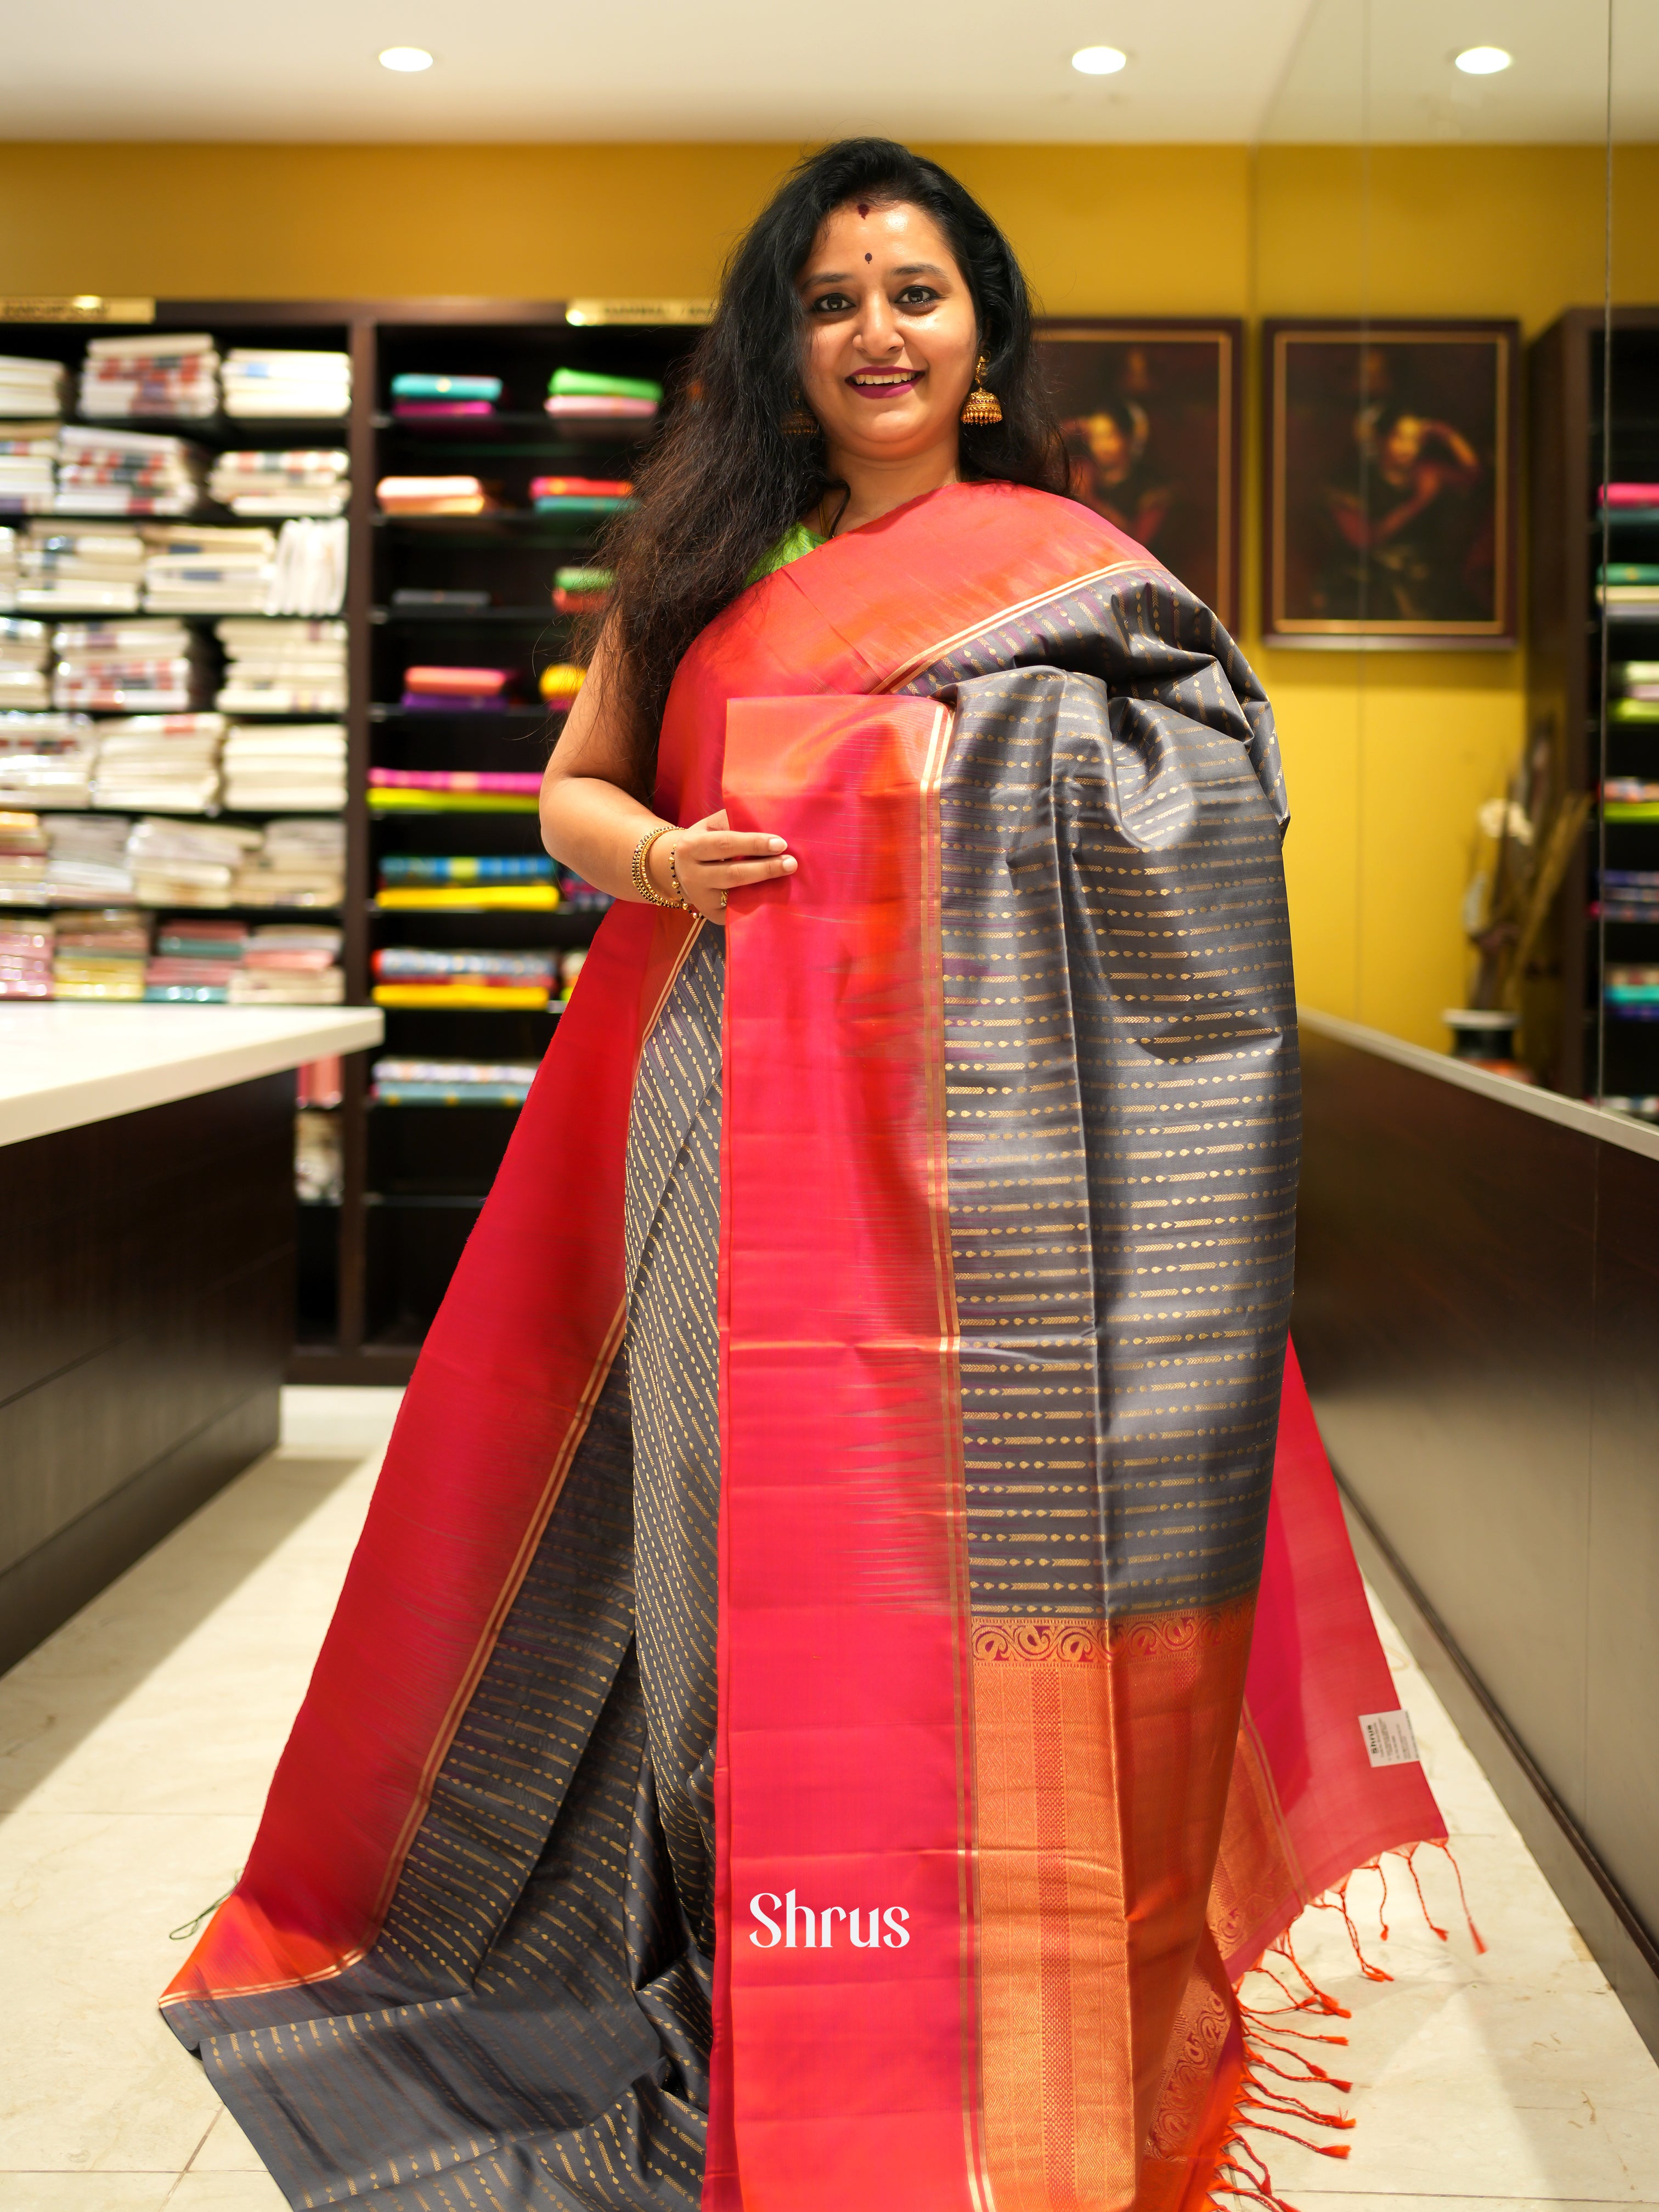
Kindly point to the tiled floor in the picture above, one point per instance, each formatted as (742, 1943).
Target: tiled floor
(135, 1745)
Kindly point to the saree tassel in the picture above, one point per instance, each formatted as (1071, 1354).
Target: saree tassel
(1337, 1902)
(1440, 1843)
(1315, 2000)
(1314, 2074)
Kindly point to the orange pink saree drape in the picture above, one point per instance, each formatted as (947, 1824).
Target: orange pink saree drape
(1042, 1655)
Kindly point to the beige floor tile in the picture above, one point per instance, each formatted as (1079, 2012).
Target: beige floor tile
(91, 2078)
(87, 2192)
(227, 2192)
(226, 2149)
(1318, 2200)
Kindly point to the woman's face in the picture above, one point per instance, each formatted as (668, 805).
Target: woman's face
(892, 337)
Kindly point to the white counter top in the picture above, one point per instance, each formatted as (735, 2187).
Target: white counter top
(61, 1065)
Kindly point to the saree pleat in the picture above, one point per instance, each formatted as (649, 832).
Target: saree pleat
(842, 1475)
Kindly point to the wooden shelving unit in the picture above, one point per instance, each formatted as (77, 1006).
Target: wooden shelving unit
(1571, 448)
(373, 1269)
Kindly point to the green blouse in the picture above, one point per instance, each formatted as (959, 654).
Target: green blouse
(790, 547)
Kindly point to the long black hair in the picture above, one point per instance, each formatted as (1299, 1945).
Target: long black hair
(726, 481)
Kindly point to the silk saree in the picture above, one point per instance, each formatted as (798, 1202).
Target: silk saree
(855, 1651)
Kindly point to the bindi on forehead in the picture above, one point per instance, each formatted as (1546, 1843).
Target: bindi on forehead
(864, 207)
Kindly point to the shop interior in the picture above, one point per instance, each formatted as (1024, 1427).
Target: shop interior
(1352, 315)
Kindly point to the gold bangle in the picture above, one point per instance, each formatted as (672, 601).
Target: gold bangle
(674, 876)
(642, 882)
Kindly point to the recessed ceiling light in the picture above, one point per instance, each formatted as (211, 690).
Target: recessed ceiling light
(1098, 61)
(1482, 61)
(411, 58)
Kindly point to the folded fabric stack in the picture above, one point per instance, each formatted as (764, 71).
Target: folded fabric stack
(415, 599)
(1630, 895)
(581, 898)
(289, 765)
(26, 946)
(29, 455)
(300, 863)
(1630, 798)
(100, 956)
(1629, 589)
(298, 482)
(194, 961)
(310, 574)
(282, 667)
(264, 382)
(319, 1155)
(580, 495)
(1623, 499)
(420, 399)
(577, 395)
(9, 573)
(453, 790)
(449, 879)
(455, 690)
(1631, 992)
(127, 472)
(25, 655)
(31, 388)
(290, 964)
(167, 763)
(570, 967)
(23, 848)
(559, 684)
(1636, 684)
(1642, 1106)
(580, 591)
(191, 570)
(145, 667)
(451, 1082)
(432, 496)
(412, 975)
(128, 379)
(46, 759)
(84, 569)
(89, 857)
(187, 863)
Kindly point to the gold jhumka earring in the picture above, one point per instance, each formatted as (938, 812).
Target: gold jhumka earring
(981, 408)
(797, 423)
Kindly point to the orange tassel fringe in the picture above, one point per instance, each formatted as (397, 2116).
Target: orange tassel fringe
(1240, 2173)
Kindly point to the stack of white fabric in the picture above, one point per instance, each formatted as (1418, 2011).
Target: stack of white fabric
(281, 482)
(300, 863)
(46, 759)
(127, 472)
(29, 455)
(282, 667)
(127, 378)
(135, 667)
(272, 381)
(25, 657)
(89, 857)
(32, 388)
(310, 574)
(8, 550)
(189, 570)
(82, 568)
(164, 763)
(187, 863)
(291, 765)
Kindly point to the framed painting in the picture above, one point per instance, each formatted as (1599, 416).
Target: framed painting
(1391, 458)
(1150, 408)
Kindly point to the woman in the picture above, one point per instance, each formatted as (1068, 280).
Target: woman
(791, 1736)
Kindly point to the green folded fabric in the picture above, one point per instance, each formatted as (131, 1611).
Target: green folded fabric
(584, 580)
(1629, 571)
(584, 384)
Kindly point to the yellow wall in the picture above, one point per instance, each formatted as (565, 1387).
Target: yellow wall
(1388, 755)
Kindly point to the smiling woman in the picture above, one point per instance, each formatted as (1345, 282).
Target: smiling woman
(844, 1480)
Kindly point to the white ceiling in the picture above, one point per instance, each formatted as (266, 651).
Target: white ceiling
(517, 71)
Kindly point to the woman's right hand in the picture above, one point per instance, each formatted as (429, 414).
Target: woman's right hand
(713, 858)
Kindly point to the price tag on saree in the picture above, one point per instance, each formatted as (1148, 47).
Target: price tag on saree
(1388, 1739)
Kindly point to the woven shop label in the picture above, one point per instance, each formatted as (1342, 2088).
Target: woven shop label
(1388, 1739)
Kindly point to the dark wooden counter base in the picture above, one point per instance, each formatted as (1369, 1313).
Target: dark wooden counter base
(146, 1316)
(1477, 1311)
